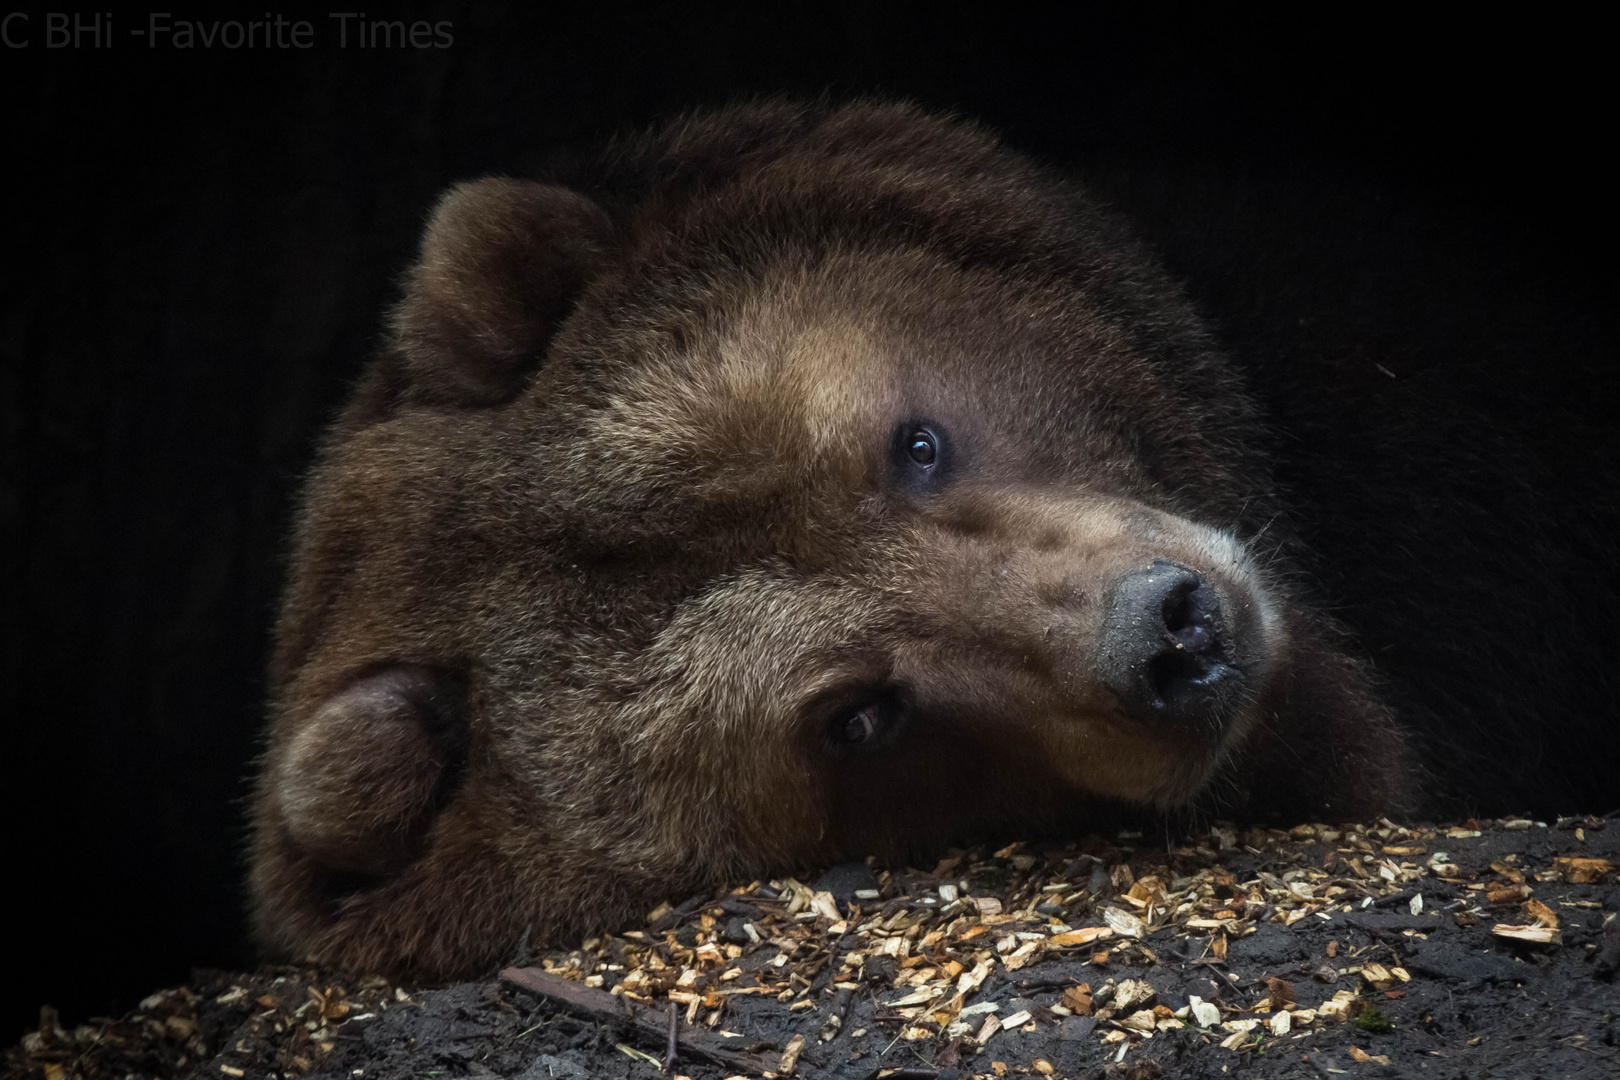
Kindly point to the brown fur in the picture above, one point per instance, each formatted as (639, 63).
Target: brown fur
(614, 527)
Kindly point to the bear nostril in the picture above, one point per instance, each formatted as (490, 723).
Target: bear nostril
(1189, 617)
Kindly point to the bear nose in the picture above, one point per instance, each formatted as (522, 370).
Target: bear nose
(1164, 650)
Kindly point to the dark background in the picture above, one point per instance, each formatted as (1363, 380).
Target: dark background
(198, 247)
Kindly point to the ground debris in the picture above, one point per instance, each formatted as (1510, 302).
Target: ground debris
(1340, 945)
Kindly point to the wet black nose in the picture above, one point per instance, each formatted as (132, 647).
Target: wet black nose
(1163, 649)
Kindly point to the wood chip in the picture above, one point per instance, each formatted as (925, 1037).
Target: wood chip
(1541, 914)
(916, 997)
(1142, 1022)
(1204, 1013)
(1124, 923)
(1077, 999)
(1337, 1009)
(1581, 871)
(1024, 954)
(790, 1056)
(1540, 935)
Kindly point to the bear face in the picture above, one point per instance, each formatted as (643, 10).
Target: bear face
(814, 483)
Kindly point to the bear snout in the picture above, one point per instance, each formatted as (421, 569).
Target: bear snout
(1166, 649)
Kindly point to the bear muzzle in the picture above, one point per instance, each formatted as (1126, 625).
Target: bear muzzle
(1123, 649)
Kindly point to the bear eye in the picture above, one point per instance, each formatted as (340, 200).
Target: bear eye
(861, 727)
(870, 725)
(923, 447)
(921, 457)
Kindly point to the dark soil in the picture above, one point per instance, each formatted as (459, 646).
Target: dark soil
(1413, 942)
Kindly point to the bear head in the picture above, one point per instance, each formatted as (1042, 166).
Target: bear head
(806, 483)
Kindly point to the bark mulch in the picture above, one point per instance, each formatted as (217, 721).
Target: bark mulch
(1480, 950)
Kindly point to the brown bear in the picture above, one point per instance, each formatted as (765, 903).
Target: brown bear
(813, 482)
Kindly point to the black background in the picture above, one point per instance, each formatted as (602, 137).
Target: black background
(198, 247)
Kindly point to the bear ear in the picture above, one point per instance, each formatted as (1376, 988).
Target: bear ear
(501, 264)
(359, 784)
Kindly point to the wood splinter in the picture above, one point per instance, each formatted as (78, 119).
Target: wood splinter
(603, 1007)
(674, 1030)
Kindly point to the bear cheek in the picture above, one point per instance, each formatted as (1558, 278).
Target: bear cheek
(358, 786)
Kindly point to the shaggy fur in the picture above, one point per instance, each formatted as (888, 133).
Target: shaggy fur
(616, 533)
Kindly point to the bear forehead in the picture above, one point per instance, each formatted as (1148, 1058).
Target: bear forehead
(814, 361)
(790, 387)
